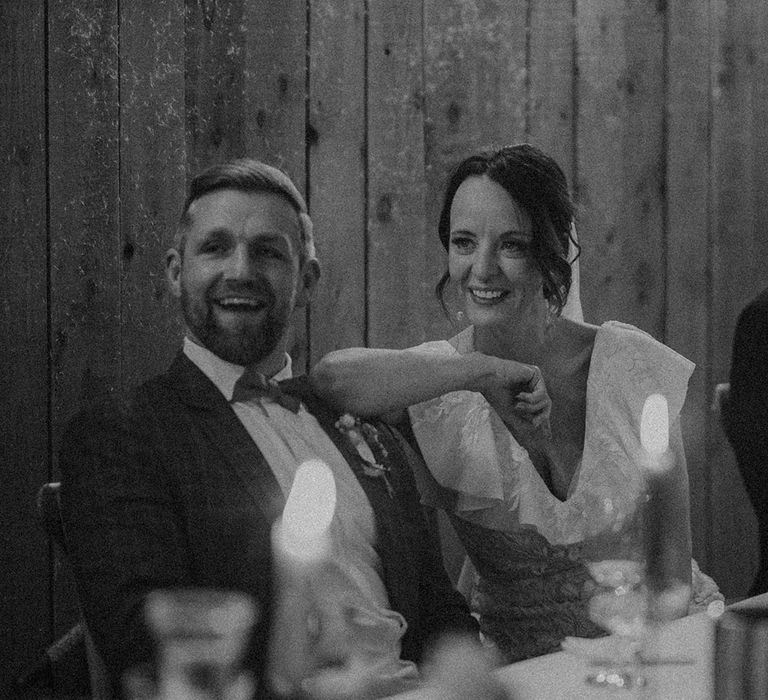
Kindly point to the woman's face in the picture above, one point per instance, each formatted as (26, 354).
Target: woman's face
(489, 256)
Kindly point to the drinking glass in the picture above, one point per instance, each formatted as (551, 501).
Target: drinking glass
(619, 604)
(201, 635)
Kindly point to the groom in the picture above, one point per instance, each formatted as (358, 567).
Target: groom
(177, 483)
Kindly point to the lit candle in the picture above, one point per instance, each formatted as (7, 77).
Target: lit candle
(654, 437)
(301, 544)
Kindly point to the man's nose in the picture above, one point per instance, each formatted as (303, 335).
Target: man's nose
(239, 263)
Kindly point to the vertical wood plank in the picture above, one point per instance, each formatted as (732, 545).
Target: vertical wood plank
(337, 172)
(621, 161)
(689, 236)
(152, 180)
(475, 87)
(738, 137)
(397, 237)
(85, 244)
(214, 87)
(550, 118)
(24, 385)
(275, 84)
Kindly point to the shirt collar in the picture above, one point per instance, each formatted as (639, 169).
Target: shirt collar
(222, 373)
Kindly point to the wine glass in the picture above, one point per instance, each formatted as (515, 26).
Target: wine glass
(619, 604)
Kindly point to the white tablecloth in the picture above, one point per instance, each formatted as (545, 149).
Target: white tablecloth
(687, 644)
(688, 641)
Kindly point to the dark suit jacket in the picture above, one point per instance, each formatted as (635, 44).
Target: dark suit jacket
(164, 488)
(747, 415)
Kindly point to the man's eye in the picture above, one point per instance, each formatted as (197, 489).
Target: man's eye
(269, 253)
(462, 244)
(212, 247)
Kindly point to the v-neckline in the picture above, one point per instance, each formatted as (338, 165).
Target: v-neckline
(465, 342)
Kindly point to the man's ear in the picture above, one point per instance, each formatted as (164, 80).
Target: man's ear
(173, 271)
(310, 275)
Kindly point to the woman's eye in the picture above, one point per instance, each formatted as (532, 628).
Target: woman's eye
(514, 248)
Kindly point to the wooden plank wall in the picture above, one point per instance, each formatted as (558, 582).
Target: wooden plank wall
(655, 110)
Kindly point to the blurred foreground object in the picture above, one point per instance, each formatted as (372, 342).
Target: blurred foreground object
(459, 669)
(326, 642)
(201, 637)
(741, 650)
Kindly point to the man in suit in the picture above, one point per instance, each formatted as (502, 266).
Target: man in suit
(177, 483)
(746, 417)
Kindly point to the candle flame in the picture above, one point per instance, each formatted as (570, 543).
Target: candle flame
(309, 509)
(654, 426)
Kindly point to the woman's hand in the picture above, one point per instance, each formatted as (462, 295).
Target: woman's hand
(519, 396)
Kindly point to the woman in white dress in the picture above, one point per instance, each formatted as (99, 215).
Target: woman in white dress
(528, 421)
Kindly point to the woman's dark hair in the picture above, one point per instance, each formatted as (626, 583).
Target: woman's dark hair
(538, 185)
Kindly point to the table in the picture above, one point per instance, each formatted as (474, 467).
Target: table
(560, 676)
(689, 641)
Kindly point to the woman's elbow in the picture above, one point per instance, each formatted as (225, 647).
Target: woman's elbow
(330, 379)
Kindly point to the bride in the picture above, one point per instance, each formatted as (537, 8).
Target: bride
(528, 420)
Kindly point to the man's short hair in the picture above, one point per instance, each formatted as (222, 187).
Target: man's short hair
(248, 175)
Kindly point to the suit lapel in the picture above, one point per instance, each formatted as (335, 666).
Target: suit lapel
(222, 429)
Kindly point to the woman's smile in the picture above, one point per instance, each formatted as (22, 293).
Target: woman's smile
(487, 296)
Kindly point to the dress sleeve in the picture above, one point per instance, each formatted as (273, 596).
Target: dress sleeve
(458, 435)
(631, 365)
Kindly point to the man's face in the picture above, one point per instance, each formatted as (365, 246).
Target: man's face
(239, 277)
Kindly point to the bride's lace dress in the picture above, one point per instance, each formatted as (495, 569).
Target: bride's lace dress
(528, 546)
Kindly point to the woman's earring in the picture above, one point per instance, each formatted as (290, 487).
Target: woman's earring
(459, 315)
(550, 317)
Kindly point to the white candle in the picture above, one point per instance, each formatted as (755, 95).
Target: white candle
(301, 544)
(654, 437)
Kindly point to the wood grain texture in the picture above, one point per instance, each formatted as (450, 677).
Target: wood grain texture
(24, 385)
(397, 236)
(621, 161)
(214, 83)
(336, 141)
(85, 245)
(551, 80)
(689, 236)
(152, 179)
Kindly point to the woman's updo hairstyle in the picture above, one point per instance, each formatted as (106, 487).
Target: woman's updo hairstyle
(538, 185)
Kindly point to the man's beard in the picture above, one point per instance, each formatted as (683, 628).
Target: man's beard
(242, 345)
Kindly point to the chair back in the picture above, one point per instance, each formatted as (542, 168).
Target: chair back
(49, 515)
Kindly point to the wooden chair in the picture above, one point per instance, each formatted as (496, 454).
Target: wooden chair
(78, 640)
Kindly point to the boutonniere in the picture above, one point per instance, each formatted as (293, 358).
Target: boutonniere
(366, 440)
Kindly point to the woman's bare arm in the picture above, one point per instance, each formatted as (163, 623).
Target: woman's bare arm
(368, 381)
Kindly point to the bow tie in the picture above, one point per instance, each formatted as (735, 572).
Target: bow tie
(253, 384)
